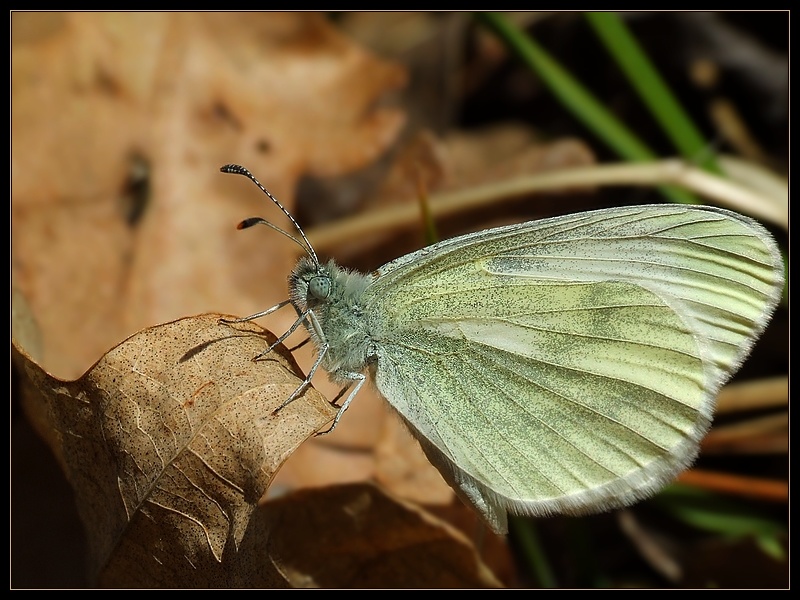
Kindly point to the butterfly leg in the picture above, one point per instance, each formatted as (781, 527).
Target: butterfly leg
(280, 340)
(258, 315)
(321, 351)
(359, 379)
(286, 334)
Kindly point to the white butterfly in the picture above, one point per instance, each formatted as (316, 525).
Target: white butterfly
(567, 365)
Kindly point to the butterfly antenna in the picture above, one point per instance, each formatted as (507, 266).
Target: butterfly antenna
(306, 245)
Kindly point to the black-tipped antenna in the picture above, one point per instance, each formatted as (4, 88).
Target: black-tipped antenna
(259, 221)
(240, 170)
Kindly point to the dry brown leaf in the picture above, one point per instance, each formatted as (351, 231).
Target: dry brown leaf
(478, 157)
(120, 218)
(370, 443)
(355, 536)
(462, 161)
(402, 467)
(169, 441)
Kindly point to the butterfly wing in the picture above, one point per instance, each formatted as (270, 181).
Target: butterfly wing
(571, 364)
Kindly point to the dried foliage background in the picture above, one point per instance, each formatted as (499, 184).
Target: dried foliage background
(123, 229)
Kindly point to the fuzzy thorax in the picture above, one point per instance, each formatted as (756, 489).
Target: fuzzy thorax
(335, 297)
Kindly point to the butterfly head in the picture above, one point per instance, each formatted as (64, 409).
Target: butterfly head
(310, 284)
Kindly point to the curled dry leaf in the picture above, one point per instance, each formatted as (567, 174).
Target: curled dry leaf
(169, 441)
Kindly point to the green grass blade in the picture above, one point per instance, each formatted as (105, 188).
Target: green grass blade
(525, 533)
(577, 98)
(716, 514)
(652, 89)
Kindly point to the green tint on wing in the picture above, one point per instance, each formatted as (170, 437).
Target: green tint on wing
(570, 365)
(544, 412)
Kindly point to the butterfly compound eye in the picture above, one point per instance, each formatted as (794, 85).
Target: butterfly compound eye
(320, 287)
